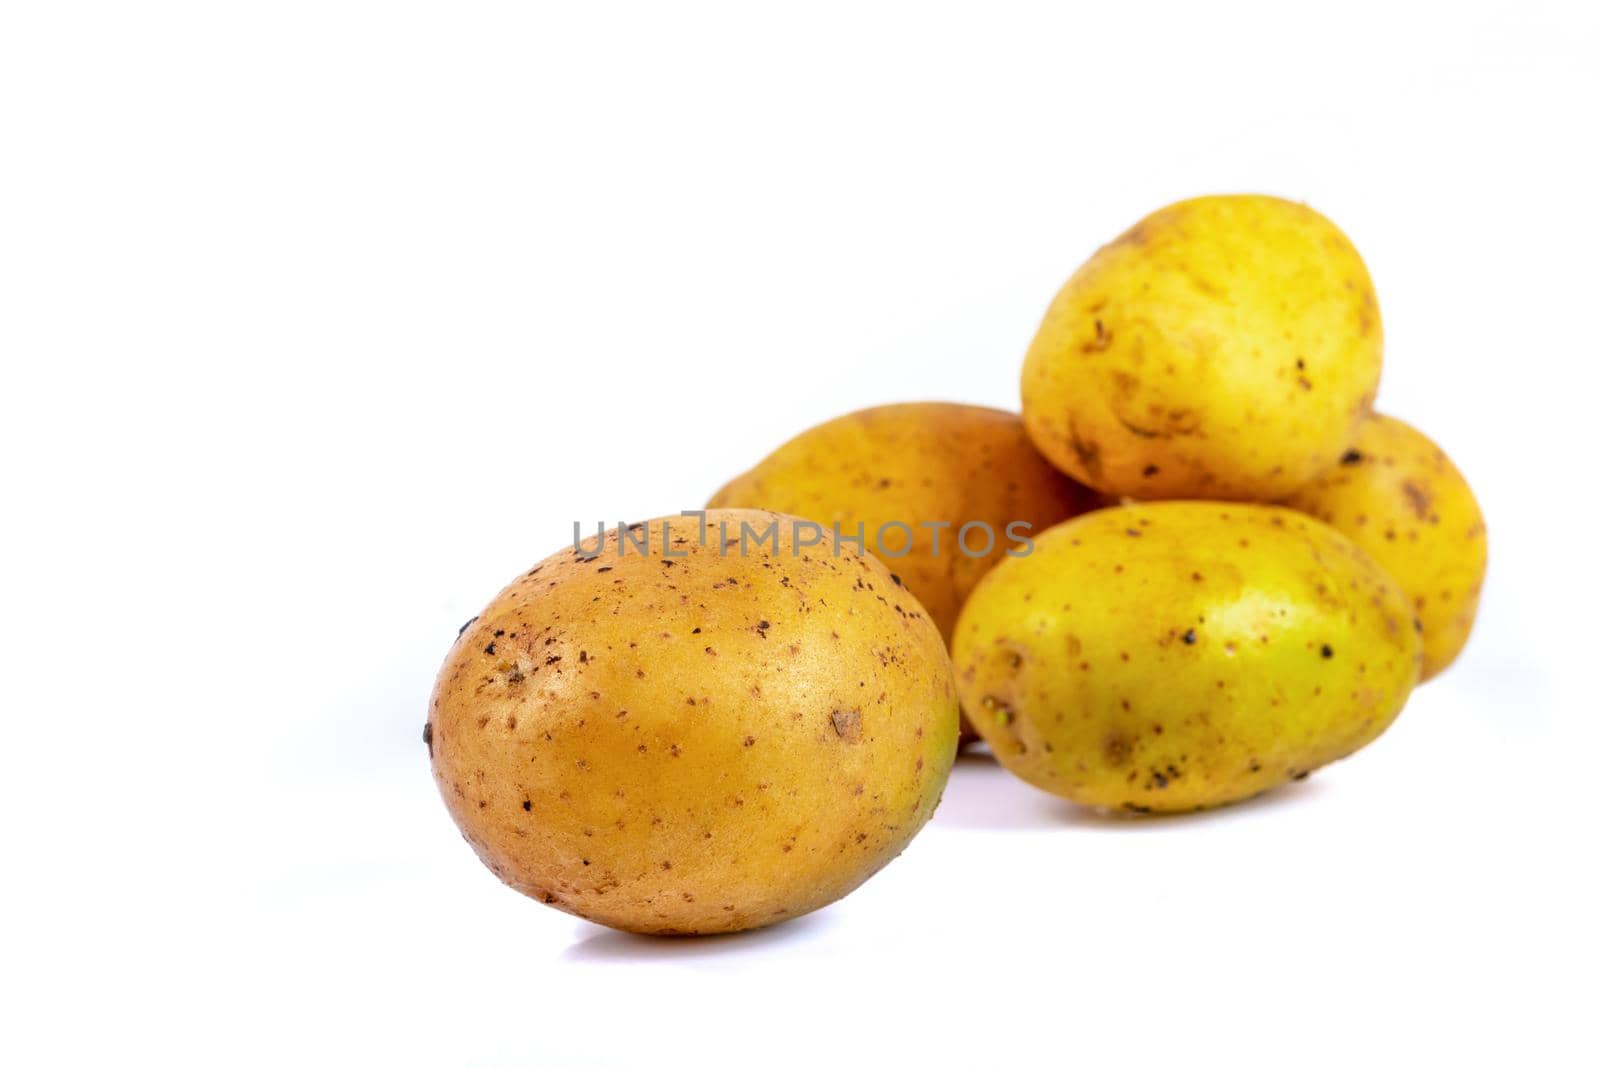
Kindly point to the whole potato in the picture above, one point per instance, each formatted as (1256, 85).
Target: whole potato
(698, 739)
(917, 464)
(1398, 496)
(1178, 655)
(1225, 347)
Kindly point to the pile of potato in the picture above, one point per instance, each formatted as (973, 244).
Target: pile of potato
(1197, 566)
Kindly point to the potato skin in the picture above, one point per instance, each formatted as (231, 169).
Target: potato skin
(697, 744)
(1397, 495)
(1225, 347)
(915, 463)
(1178, 655)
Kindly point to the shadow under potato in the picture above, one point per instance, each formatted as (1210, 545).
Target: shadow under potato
(602, 944)
(983, 796)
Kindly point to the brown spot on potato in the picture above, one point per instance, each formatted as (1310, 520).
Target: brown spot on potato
(1087, 452)
(1137, 235)
(1417, 498)
(1117, 748)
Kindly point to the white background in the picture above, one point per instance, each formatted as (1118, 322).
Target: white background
(322, 320)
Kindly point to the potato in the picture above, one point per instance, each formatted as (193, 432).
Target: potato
(1398, 496)
(918, 465)
(1226, 347)
(1182, 654)
(695, 740)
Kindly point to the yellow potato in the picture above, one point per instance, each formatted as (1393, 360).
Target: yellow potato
(917, 464)
(695, 743)
(1398, 496)
(933, 468)
(1178, 655)
(1226, 347)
